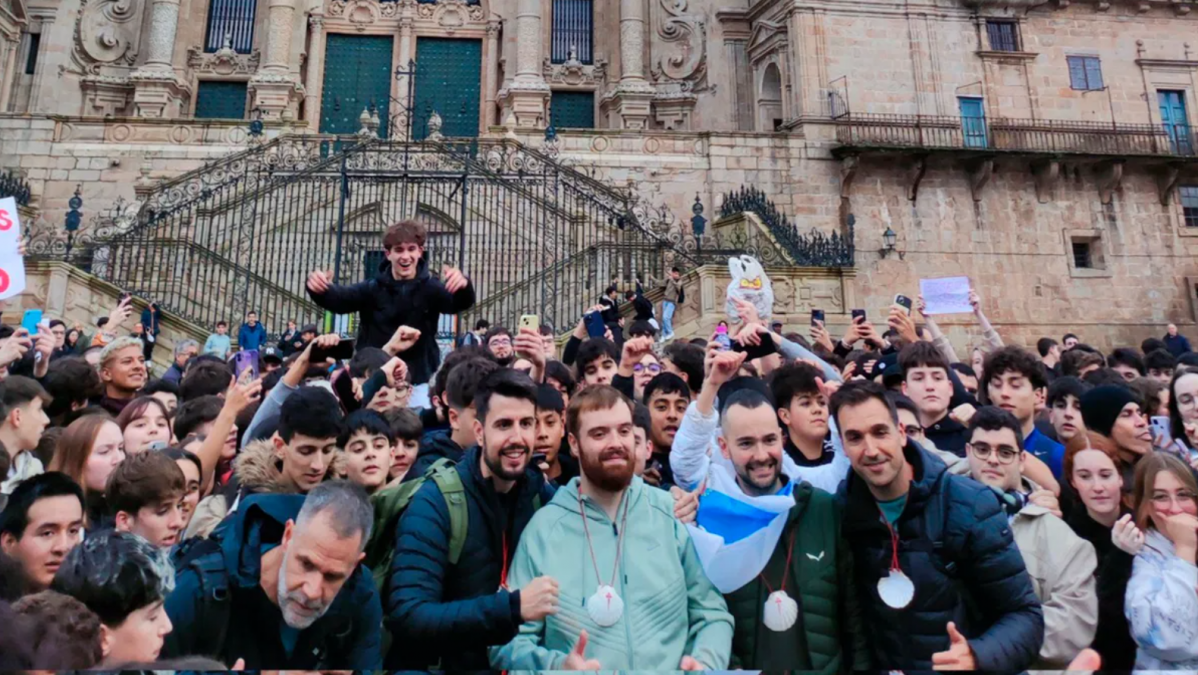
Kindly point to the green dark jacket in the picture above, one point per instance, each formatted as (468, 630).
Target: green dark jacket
(829, 634)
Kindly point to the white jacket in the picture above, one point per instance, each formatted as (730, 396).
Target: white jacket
(695, 456)
(1162, 607)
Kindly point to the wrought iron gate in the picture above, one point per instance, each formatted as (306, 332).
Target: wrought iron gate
(534, 236)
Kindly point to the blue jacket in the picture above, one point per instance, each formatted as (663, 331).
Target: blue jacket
(385, 303)
(151, 320)
(245, 623)
(956, 546)
(1177, 344)
(251, 337)
(453, 613)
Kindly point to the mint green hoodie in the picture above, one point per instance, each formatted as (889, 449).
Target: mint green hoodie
(671, 610)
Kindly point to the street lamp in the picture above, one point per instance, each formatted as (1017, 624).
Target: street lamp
(889, 240)
(256, 123)
(73, 219)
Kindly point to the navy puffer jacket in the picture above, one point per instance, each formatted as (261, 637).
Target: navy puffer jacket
(437, 612)
(956, 546)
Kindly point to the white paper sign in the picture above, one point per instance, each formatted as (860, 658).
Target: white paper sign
(949, 295)
(12, 265)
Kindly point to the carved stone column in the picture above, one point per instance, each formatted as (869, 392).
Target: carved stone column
(157, 92)
(276, 89)
(9, 72)
(491, 82)
(629, 104)
(528, 93)
(315, 70)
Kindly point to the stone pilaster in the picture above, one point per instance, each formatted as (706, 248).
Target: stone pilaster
(492, 73)
(157, 91)
(276, 89)
(315, 70)
(8, 76)
(629, 103)
(528, 94)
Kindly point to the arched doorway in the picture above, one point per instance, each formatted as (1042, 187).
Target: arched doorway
(769, 99)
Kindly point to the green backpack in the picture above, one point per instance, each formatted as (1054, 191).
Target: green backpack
(390, 503)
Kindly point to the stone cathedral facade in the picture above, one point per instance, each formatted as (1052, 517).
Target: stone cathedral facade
(1044, 148)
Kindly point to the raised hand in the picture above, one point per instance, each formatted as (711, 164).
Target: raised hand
(724, 367)
(453, 279)
(240, 396)
(963, 413)
(975, 301)
(686, 504)
(826, 389)
(396, 371)
(119, 314)
(320, 281)
(1126, 536)
(820, 336)
(746, 311)
(903, 324)
(959, 655)
(528, 345)
(405, 338)
(577, 660)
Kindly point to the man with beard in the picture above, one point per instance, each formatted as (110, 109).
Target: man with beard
(831, 636)
(449, 611)
(282, 586)
(626, 569)
(942, 582)
(501, 345)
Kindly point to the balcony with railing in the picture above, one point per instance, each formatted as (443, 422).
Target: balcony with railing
(883, 132)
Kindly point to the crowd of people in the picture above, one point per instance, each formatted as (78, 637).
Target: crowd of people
(755, 499)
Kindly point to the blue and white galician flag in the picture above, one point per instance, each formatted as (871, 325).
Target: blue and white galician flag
(736, 534)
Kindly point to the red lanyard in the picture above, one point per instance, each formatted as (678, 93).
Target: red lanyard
(506, 562)
(785, 572)
(894, 542)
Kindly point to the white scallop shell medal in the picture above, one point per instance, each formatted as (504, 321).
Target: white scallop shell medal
(781, 612)
(605, 607)
(896, 589)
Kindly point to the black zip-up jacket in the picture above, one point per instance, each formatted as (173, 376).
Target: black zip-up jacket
(956, 546)
(385, 303)
(450, 614)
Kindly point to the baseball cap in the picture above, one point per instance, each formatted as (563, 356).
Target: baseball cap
(310, 328)
(272, 354)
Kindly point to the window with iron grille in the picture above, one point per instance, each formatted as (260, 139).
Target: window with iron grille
(1085, 73)
(220, 100)
(231, 21)
(1081, 255)
(573, 30)
(1189, 204)
(1004, 35)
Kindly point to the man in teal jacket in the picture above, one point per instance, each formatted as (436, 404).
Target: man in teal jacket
(633, 595)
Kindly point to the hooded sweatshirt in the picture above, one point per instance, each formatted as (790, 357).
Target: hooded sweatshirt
(1162, 607)
(385, 303)
(671, 610)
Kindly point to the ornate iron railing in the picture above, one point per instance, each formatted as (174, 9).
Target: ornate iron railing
(810, 249)
(1013, 135)
(13, 185)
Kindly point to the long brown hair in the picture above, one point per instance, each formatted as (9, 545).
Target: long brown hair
(1148, 468)
(75, 446)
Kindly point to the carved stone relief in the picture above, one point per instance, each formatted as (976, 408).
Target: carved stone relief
(224, 61)
(575, 73)
(685, 37)
(106, 32)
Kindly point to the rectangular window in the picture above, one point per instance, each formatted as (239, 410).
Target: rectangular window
(231, 21)
(573, 31)
(1189, 204)
(221, 100)
(573, 109)
(35, 41)
(1085, 73)
(1004, 35)
(1081, 255)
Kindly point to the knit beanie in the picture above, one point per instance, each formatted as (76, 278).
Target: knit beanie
(1101, 406)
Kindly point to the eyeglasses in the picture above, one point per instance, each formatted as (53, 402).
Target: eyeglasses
(1164, 500)
(1006, 454)
(652, 368)
(501, 342)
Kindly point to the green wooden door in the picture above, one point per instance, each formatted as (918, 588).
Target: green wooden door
(357, 75)
(448, 81)
(220, 100)
(573, 109)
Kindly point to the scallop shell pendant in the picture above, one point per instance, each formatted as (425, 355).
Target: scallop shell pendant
(605, 607)
(896, 589)
(781, 612)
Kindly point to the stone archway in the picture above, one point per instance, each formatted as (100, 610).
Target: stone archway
(769, 98)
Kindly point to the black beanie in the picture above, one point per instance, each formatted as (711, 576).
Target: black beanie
(1101, 406)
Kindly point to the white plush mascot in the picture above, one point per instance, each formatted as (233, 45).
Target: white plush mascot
(749, 283)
